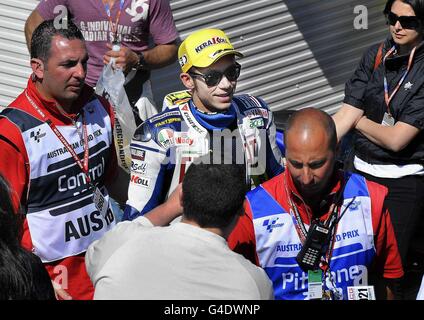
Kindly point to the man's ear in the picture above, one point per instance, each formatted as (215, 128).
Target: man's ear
(37, 66)
(187, 81)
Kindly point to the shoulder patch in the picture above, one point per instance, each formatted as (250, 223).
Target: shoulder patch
(166, 138)
(254, 109)
(167, 121)
(245, 102)
(257, 113)
(22, 119)
(164, 115)
(176, 98)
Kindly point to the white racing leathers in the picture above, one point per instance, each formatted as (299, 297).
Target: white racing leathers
(165, 145)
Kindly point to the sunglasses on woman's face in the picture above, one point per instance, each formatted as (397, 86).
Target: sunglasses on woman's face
(213, 77)
(407, 22)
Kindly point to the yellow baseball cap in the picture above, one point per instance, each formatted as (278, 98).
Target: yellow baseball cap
(204, 47)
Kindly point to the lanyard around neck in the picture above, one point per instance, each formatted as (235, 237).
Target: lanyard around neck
(301, 229)
(82, 164)
(118, 17)
(294, 213)
(388, 98)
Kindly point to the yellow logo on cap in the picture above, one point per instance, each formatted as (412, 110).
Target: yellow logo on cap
(210, 42)
(183, 60)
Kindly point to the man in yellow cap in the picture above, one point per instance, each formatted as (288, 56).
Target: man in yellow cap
(207, 118)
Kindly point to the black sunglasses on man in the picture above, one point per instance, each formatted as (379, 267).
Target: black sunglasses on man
(213, 77)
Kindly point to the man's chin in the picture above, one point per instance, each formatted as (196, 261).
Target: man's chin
(309, 192)
(75, 88)
(219, 107)
(73, 93)
(223, 106)
(69, 98)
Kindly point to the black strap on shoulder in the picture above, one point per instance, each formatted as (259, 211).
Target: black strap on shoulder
(379, 56)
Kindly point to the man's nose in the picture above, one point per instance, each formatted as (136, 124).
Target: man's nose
(225, 83)
(306, 176)
(80, 71)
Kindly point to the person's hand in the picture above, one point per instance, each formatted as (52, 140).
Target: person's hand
(165, 213)
(125, 58)
(60, 293)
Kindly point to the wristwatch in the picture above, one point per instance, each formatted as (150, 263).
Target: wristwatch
(141, 62)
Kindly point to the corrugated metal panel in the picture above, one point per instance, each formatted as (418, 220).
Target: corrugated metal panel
(297, 52)
(14, 58)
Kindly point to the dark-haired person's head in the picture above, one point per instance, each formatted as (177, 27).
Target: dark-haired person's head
(10, 231)
(43, 35)
(406, 22)
(416, 5)
(209, 71)
(22, 275)
(59, 62)
(213, 194)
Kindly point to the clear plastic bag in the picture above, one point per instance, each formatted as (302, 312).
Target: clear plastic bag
(111, 86)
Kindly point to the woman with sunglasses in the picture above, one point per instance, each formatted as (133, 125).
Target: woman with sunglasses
(384, 102)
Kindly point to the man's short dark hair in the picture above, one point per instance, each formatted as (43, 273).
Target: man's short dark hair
(42, 37)
(213, 194)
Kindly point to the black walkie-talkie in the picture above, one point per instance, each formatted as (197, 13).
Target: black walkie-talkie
(319, 233)
(315, 246)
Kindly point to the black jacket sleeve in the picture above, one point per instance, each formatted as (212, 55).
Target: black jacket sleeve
(356, 86)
